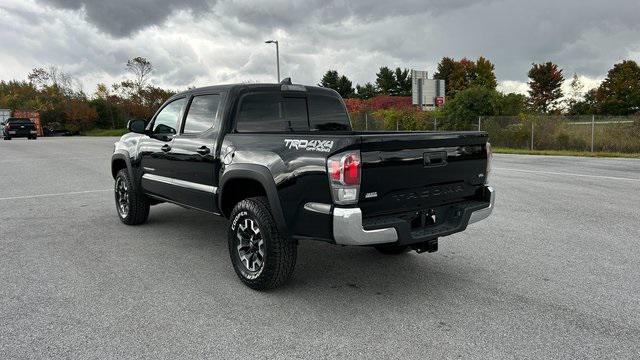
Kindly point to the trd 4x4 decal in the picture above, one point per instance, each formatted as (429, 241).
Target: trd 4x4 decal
(309, 145)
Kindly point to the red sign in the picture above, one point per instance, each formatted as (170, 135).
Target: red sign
(439, 100)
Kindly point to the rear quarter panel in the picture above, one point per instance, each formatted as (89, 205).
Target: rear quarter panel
(297, 163)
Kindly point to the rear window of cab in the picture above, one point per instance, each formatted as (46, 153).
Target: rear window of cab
(273, 112)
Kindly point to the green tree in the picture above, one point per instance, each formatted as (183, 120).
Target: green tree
(367, 91)
(587, 106)
(545, 86)
(484, 74)
(446, 67)
(330, 80)
(335, 81)
(619, 93)
(19, 95)
(511, 104)
(403, 82)
(458, 75)
(345, 87)
(386, 81)
(462, 112)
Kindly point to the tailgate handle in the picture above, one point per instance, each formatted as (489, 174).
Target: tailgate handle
(435, 158)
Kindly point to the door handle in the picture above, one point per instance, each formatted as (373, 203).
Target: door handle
(203, 150)
(166, 148)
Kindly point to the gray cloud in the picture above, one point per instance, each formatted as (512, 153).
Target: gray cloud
(123, 17)
(198, 42)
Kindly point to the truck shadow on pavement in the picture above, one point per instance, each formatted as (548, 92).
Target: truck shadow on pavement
(325, 271)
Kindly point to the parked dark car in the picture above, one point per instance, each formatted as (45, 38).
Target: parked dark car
(19, 127)
(282, 163)
(57, 132)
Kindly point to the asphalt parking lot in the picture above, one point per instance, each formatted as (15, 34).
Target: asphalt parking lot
(554, 272)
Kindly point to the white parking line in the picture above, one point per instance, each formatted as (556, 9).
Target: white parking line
(568, 174)
(52, 195)
(61, 157)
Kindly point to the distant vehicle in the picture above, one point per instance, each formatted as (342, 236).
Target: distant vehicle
(19, 127)
(283, 164)
(56, 132)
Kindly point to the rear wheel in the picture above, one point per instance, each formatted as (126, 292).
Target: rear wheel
(261, 257)
(131, 203)
(7, 137)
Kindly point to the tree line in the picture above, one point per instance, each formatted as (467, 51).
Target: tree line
(62, 103)
(471, 89)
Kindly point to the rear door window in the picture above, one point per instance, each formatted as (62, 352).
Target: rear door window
(328, 114)
(270, 112)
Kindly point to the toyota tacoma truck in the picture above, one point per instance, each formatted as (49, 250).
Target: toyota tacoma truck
(283, 165)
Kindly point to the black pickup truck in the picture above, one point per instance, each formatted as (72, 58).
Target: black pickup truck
(282, 163)
(18, 127)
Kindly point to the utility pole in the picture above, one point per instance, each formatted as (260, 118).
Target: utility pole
(593, 130)
(277, 55)
(532, 135)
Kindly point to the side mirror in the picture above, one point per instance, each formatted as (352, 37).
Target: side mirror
(137, 126)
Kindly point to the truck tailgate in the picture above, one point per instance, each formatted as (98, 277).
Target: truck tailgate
(411, 171)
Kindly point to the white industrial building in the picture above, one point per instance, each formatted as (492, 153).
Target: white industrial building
(426, 93)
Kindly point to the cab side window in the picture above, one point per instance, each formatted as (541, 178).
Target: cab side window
(166, 121)
(202, 114)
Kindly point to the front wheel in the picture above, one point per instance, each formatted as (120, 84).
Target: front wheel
(261, 257)
(131, 203)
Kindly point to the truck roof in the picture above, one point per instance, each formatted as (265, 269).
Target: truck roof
(262, 86)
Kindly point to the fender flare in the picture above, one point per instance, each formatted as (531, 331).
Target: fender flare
(124, 155)
(262, 175)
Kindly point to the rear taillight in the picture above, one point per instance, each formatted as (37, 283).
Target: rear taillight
(344, 177)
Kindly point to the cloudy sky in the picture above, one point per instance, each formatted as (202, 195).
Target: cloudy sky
(201, 42)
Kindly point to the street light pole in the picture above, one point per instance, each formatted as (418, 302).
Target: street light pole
(277, 55)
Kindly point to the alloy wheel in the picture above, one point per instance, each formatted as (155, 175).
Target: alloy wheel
(122, 197)
(251, 247)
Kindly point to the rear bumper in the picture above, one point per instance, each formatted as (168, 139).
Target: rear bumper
(349, 228)
(484, 212)
(20, 133)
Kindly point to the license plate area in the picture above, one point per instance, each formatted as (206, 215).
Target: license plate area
(422, 218)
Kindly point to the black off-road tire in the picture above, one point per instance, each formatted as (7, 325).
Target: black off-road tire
(278, 253)
(393, 249)
(137, 211)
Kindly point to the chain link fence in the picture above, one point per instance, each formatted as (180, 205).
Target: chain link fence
(531, 132)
